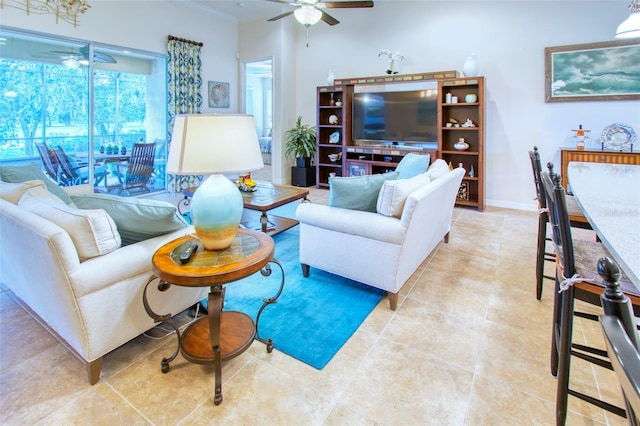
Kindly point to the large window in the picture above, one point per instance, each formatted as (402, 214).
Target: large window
(52, 93)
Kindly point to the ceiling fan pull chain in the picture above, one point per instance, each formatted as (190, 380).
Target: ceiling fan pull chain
(307, 35)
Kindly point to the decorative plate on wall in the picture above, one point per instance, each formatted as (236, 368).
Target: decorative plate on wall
(618, 136)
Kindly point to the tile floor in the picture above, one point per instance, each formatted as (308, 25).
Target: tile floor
(468, 345)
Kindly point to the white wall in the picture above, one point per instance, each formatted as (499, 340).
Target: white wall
(145, 25)
(509, 40)
(260, 40)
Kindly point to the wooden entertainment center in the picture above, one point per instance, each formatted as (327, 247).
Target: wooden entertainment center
(334, 121)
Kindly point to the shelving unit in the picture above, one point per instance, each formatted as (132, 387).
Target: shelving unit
(472, 188)
(360, 160)
(331, 137)
(372, 160)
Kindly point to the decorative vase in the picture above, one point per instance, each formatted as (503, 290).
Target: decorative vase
(461, 145)
(216, 210)
(101, 149)
(331, 78)
(123, 150)
(470, 66)
(471, 172)
(471, 98)
(109, 150)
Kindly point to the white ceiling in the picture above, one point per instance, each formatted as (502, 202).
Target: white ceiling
(244, 11)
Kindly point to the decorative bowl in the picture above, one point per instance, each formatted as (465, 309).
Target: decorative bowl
(335, 157)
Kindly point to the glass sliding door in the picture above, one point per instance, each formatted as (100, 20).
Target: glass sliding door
(43, 101)
(49, 98)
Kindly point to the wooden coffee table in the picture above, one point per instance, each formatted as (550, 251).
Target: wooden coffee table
(257, 204)
(267, 197)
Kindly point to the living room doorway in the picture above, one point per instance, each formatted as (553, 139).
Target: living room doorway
(257, 81)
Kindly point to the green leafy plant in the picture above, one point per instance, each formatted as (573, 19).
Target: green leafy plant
(301, 141)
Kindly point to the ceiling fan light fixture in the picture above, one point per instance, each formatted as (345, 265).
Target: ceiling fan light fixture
(307, 15)
(70, 63)
(630, 27)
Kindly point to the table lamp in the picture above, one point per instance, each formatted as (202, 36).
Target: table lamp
(214, 144)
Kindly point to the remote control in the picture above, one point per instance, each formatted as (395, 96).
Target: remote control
(186, 255)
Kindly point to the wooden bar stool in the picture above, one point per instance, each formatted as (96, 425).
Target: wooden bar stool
(576, 278)
(576, 218)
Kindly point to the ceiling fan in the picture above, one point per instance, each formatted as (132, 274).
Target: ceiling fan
(309, 12)
(73, 59)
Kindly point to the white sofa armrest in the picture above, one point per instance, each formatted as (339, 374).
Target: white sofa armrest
(353, 222)
(78, 189)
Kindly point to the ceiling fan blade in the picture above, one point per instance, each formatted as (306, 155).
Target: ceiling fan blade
(291, 3)
(284, 15)
(329, 19)
(103, 57)
(64, 52)
(346, 4)
(97, 56)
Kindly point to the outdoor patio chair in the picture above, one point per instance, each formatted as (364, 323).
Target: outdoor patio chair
(50, 163)
(74, 174)
(137, 173)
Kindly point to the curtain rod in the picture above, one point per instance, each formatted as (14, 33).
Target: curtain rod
(184, 40)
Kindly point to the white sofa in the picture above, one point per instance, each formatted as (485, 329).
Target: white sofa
(378, 250)
(93, 305)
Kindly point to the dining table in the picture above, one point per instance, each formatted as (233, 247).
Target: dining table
(99, 157)
(609, 196)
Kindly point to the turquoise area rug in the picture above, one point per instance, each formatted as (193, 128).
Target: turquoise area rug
(315, 316)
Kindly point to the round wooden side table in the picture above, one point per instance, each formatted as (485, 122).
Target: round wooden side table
(221, 335)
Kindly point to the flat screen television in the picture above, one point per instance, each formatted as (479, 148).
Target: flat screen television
(404, 115)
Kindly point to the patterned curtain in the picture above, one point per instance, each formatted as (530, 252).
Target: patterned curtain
(184, 94)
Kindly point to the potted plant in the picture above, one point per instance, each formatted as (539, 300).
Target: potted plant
(301, 143)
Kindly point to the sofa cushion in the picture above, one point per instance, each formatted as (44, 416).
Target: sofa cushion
(357, 192)
(32, 171)
(412, 165)
(438, 169)
(93, 232)
(13, 191)
(394, 193)
(137, 219)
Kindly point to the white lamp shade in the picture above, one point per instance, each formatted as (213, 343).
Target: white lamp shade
(213, 143)
(630, 28)
(307, 15)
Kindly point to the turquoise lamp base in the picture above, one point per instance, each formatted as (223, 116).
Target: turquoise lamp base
(216, 211)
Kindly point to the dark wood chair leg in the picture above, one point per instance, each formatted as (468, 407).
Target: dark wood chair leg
(305, 270)
(93, 370)
(555, 330)
(564, 355)
(542, 242)
(446, 237)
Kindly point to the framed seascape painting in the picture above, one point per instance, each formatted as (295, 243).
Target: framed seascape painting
(218, 94)
(593, 72)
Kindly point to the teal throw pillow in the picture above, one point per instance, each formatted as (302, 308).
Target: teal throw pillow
(412, 165)
(357, 192)
(31, 171)
(137, 219)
